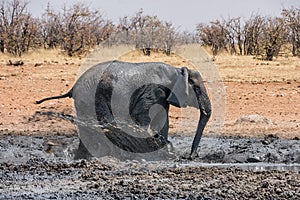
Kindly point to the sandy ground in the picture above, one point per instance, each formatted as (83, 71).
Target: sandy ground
(261, 104)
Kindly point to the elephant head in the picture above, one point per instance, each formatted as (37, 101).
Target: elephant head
(189, 82)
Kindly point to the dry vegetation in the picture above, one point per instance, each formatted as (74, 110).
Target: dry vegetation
(249, 69)
(79, 28)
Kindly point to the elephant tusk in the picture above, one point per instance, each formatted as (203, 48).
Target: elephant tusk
(204, 112)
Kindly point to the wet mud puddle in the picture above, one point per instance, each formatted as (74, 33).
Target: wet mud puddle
(269, 153)
(248, 153)
(43, 167)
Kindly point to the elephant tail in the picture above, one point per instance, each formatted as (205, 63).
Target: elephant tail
(68, 94)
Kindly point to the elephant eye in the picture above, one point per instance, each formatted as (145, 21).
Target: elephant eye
(191, 81)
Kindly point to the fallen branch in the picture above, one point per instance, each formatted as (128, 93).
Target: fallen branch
(16, 63)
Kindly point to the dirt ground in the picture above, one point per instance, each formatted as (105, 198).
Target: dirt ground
(261, 104)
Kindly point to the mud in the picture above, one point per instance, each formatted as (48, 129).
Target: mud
(43, 167)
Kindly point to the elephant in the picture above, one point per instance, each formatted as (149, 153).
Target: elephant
(120, 97)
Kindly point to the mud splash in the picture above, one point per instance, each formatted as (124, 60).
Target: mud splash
(43, 167)
(20, 149)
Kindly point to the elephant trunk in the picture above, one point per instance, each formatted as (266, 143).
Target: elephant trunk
(205, 113)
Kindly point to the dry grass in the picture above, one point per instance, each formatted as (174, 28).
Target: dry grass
(250, 69)
(245, 68)
(42, 56)
(138, 56)
(231, 67)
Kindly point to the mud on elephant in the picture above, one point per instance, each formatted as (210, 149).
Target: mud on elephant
(129, 104)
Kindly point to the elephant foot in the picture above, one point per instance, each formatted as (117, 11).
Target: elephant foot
(82, 152)
(193, 156)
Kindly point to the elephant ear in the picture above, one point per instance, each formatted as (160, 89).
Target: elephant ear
(179, 93)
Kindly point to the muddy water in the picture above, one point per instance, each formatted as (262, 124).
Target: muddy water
(43, 167)
(20, 149)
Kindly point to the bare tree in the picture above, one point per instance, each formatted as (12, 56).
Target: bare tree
(77, 29)
(252, 32)
(124, 31)
(235, 35)
(213, 35)
(146, 32)
(143, 31)
(51, 26)
(167, 37)
(18, 30)
(82, 29)
(292, 21)
(272, 37)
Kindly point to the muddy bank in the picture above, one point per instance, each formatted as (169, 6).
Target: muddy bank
(43, 167)
(20, 149)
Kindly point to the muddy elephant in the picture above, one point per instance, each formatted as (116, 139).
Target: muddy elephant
(116, 95)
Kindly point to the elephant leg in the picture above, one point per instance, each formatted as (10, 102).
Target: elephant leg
(149, 107)
(165, 130)
(160, 121)
(103, 110)
(104, 117)
(82, 152)
(103, 101)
